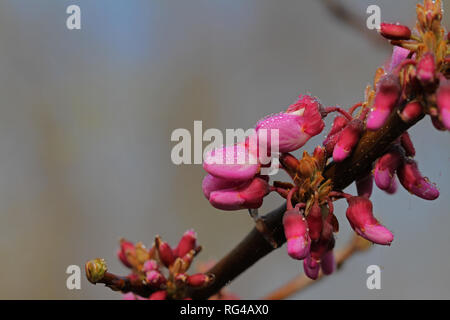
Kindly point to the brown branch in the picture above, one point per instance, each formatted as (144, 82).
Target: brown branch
(301, 281)
(254, 246)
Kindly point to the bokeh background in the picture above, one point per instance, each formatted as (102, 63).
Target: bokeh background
(86, 118)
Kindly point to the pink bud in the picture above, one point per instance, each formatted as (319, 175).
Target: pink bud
(187, 243)
(247, 196)
(395, 31)
(150, 265)
(388, 92)
(393, 187)
(426, 68)
(398, 55)
(296, 232)
(315, 222)
(360, 216)
(411, 111)
(411, 179)
(385, 168)
(348, 139)
(407, 144)
(364, 186)
(311, 267)
(158, 295)
(443, 102)
(328, 263)
(155, 278)
(199, 280)
(166, 254)
(126, 248)
(339, 123)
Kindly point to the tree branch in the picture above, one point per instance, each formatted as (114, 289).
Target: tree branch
(254, 246)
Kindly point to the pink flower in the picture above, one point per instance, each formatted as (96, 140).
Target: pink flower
(235, 162)
(412, 180)
(348, 139)
(388, 93)
(360, 216)
(311, 267)
(385, 169)
(248, 195)
(398, 55)
(329, 143)
(395, 31)
(187, 243)
(302, 121)
(296, 232)
(443, 102)
(426, 68)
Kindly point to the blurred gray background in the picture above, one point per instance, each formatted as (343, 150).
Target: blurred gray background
(86, 118)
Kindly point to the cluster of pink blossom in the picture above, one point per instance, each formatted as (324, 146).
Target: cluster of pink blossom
(414, 84)
(163, 268)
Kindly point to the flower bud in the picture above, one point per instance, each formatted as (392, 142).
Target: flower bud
(200, 279)
(443, 102)
(165, 252)
(388, 93)
(158, 295)
(311, 267)
(315, 222)
(248, 196)
(155, 278)
(348, 139)
(320, 156)
(426, 68)
(95, 270)
(393, 187)
(150, 265)
(411, 111)
(407, 144)
(364, 185)
(187, 243)
(296, 232)
(235, 163)
(329, 143)
(290, 163)
(328, 263)
(126, 250)
(411, 179)
(395, 31)
(361, 219)
(385, 168)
